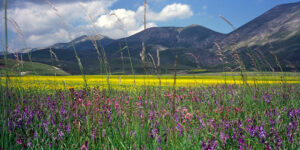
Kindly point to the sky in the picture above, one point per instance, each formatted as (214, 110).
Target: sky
(41, 23)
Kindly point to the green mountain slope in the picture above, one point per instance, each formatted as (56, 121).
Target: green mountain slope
(28, 68)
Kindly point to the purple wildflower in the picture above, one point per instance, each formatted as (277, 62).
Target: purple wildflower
(100, 123)
(150, 115)
(93, 134)
(158, 139)
(29, 144)
(291, 113)
(297, 111)
(46, 126)
(214, 146)
(203, 144)
(223, 137)
(19, 141)
(278, 139)
(267, 98)
(262, 133)
(35, 135)
(241, 141)
(252, 130)
(179, 128)
(68, 128)
(289, 132)
(9, 124)
(60, 133)
(84, 146)
(60, 125)
(176, 118)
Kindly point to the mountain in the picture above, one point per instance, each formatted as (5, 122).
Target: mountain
(277, 24)
(193, 36)
(183, 41)
(168, 40)
(270, 42)
(274, 33)
(83, 42)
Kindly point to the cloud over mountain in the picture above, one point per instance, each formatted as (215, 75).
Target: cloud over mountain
(46, 22)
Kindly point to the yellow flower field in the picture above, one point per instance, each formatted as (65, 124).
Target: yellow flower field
(130, 82)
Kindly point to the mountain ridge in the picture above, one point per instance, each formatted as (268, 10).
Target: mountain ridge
(275, 31)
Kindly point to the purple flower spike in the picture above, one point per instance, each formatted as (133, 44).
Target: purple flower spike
(60, 133)
(291, 113)
(267, 98)
(85, 146)
(262, 133)
(297, 111)
(29, 144)
(93, 134)
(19, 141)
(214, 146)
(223, 137)
(68, 128)
(203, 144)
(179, 128)
(35, 135)
(252, 130)
(158, 139)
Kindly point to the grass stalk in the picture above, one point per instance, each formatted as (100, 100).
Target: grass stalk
(174, 101)
(95, 44)
(122, 58)
(143, 53)
(72, 43)
(158, 66)
(106, 64)
(5, 94)
(236, 56)
(126, 46)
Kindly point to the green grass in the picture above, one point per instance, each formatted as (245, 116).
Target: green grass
(30, 68)
(215, 117)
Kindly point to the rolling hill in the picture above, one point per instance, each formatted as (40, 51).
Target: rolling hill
(30, 68)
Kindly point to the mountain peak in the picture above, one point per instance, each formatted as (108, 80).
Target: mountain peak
(279, 23)
(288, 4)
(84, 38)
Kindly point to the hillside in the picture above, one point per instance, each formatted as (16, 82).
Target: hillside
(277, 32)
(28, 68)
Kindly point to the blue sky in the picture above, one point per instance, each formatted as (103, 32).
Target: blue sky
(43, 24)
(206, 12)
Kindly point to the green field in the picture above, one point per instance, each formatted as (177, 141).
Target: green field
(29, 68)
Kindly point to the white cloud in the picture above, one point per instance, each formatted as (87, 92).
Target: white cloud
(48, 38)
(121, 22)
(116, 18)
(172, 11)
(41, 25)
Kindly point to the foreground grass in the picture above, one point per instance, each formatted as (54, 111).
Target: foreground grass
(207, 111)
(205, 117)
